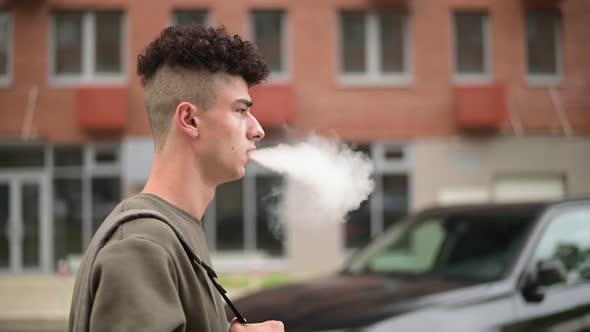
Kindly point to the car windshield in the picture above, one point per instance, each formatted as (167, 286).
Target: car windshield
(469, 246)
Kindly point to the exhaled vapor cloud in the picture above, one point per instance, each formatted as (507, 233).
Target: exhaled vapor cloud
(324, 180)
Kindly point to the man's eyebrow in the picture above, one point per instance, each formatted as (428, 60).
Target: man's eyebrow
(246, 102)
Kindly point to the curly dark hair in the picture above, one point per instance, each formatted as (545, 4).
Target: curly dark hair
(199, 48)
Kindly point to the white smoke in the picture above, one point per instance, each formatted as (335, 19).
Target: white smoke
(324, 180)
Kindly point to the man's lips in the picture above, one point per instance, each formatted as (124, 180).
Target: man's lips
(249, 152)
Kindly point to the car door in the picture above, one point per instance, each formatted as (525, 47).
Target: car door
(565, 304)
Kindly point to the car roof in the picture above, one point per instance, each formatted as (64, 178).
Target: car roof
(501, 208)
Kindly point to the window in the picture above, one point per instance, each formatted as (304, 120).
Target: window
(269, 240)
(374, 47)
(87, 185)
(245, 217)
(415, 254)
(5, 47)
(188, 17)
(269, 34)
(567, 239)
(87, 47)
(389, 201)
(64, 156)
(30, 198)
(68, 43)
(543, 46)
(454, 245)
(358, 226)
(5, 224)
(472, 51)
(395, 198)
(106, 194)
(16, 156)
(108, 43)
(229, 216)
(106, 155)
(67, 217)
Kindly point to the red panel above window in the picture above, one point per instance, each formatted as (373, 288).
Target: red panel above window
(101, 108)
(480, 107)
(274, 104)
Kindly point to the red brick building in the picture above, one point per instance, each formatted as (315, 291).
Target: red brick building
(453, 99)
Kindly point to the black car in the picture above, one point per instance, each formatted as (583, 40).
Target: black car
(517, 267)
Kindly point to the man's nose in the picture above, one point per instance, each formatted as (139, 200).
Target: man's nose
(255, 133)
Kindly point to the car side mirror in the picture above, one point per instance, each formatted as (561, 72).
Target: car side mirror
(551, 273)
(545, 274)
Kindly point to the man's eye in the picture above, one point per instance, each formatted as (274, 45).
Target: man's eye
(242, 110)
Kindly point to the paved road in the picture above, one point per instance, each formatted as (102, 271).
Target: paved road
(34, 302)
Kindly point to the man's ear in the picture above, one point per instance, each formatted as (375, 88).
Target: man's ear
(186, 119)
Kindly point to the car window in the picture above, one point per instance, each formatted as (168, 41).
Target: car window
(567, 239)
(480, 248)
(474, 246)
(415, 255)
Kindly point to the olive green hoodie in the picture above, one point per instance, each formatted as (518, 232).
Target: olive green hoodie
(143, 280)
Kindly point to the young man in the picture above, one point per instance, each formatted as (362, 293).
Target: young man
(196, 94)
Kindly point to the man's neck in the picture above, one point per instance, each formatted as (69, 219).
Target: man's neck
(177, 182)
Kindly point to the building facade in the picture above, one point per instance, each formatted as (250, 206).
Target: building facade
(453, 100)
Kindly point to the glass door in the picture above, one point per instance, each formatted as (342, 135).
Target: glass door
(5, 225)
(22, 222)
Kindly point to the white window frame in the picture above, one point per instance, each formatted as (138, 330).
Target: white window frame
(547, 79)
(284, 75)
(373, 75)
(6, 80)
(468, 78)
(208, 15)
(385, 167)
(88, 76)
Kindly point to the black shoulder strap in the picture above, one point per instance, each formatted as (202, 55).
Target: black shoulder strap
(103, 234)
(195, 260)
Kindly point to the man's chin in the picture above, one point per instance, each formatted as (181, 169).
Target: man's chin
(237, 175)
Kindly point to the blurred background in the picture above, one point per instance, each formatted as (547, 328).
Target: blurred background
(455, 101)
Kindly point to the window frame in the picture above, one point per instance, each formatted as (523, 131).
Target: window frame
(385, 167)
(6, 79)
(87, 172)
(557, 78)
(283, 76)
(374, 76)
(468, 78)
(88, 75)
